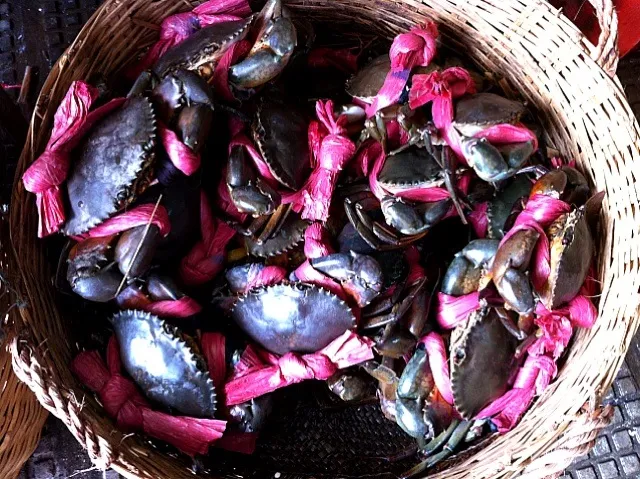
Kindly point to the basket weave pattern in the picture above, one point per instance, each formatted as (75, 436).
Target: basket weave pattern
(542, 56)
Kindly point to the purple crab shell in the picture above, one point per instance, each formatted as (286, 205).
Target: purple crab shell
(163, 364)
(293, 317)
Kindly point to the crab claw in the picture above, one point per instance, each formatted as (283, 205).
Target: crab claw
(251, 416)
(492, 163)
(464, 272)
(136, 248)
(509, 271)
(360, 275)
(276, 40)
(247, 191)
(411, 219)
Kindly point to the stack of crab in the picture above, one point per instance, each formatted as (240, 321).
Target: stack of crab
(247, 223)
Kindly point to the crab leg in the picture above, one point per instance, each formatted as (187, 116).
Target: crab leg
(440, 440)
(509, 325)
(398, 310)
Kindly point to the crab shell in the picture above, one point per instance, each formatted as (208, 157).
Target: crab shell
(410, 168)
(290, 234)
(292, 317)
(280, 133)
(202, 50)
(477, 112)
(113, 167)
(572, 248)
(163, 364)
(482, 361)
(366, 84)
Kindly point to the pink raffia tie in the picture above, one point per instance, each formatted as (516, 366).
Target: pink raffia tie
(408, 50)
(183, 158)
(179, 308)
(479, 220)
(206, 258)
(332, 150)
(263, 372)
(177, 28)
(260, 275)
(437, 353)
(123, 402)
(44, 177)
(220, 79)
(139, 216)
(453, 310)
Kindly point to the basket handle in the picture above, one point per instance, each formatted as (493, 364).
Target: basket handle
(606, 53)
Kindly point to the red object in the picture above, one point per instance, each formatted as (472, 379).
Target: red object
(206, 258)
(479, 220)
(182, 157)
(176, 28)
(123, 401)
(179, 308)
(408, 50)
(44, 177)
(452, 310)
(265, 372)
(264, 276)
(332, 149)
(138, 216)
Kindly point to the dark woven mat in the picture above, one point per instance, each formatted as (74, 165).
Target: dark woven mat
(36, 32)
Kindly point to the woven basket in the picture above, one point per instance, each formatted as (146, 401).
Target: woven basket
(543, 56)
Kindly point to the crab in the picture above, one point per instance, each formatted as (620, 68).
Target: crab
(482, 360)
(114, 165)
(292, 317)
(279, 131)
(465, 271)
(251, 416)
(565, 183)
(98, 268)
(360, 275)
(475, 113)
(411, 168)
(178, 81)
(164, 363)
(366, 84)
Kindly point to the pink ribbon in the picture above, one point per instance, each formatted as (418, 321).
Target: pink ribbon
(332, 150)
(264, 276)
(206, 258)
(479, 220)
(220, 79)
(408, 50)
(437, 354)
(182, 157)
(177, 28)
(453, 310)
(71, 122)
(264, 372)
(179, 308)
(123, 401)
(138, 216)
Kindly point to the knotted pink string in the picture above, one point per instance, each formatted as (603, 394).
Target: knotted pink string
(177, 28)
(183, 158)
(332, 151)
(206, 258)
(408, 50)
(44, 177)
(343, 59)
(453, 310)
(138, 216)
(437, 353)
(178, 308)
(123, 402)
(264, 372)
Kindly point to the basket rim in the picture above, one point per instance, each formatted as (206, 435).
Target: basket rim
(571, 434)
